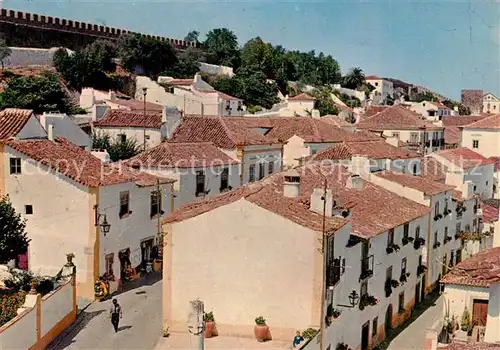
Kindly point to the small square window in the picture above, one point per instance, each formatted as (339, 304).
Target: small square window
(403, 266)
(390, 238)
(15, 165)
(270, 169)
(28, 209)
(475, 143)
(374, 326)
(251, 173)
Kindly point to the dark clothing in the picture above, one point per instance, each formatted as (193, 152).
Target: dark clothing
(297, 339)
(115, 319)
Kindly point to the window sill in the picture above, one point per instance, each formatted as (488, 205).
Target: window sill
(156, 216)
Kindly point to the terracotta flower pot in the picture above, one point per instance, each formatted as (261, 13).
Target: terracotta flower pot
(211, 329)
(262, 333)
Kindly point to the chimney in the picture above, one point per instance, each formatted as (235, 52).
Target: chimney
(111, 95)
(197, 79)
(50, 132)
(315, 114)
(355, 182)
(291, 184)
(317, 201)
(164, 114)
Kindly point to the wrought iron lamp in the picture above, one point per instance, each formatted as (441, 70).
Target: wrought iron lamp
(104, 225)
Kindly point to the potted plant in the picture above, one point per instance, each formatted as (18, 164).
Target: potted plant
(261, 330)
(210, 326)
(342, 346)
(309, 333)
(388, 288)
(421, 269)
(436, 245)
(403, 278)
(466, 321)
(394, 283)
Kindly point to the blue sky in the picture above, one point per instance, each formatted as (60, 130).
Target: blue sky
(444, 45)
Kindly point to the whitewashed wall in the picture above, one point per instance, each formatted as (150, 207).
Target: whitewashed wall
(21, 334)
(489, 141)
(267, 154)
(32, 129)
(155, 137)
(55, 306)
(458, 297)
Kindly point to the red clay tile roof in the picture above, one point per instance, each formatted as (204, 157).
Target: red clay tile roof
(497, 162)
(369, 217)
(369, 149)
(459, 120)
(433, 170)
(311, 130)
(72, 161)
(12, 121)
(137, 105)
(372, 77)
(224, 132)
(418, 183)
(452, 135)
(344, 108)
(396, 117)
(458, 345)
(181, 82)
(181, 155)
(464, 157)
(221, 95)
(335, 120)
(479, 270)
(302, 97)
(131, 119)
(492, 122)
(490, 213)
(372, 110)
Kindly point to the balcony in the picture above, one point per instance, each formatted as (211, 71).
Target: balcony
(333, 272)
(366, 268)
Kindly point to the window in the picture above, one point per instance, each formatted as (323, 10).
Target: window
(155, 203)
(475, 188)
(374, 326)
(388, 273)
(15, 165)
(420, 260)
(28, 209)
(445, 205)
(109, 264)
(364, 289)
(251, 173)
(435, 237)
(124, 204)
(458, 228)
(414, 169)
(475, 143)
(122, 137)
(270, 169)
(200, 183)
(395, 134)
(403, 266)
(414, 137)
(459, 256)
(452, 258)
(436, 209)
(406, 230)
(390, 237)
(417, 232)
(446, 232)
(261, 171)
(401, 306)
(224, 177)
(467, 228)
(314, 151)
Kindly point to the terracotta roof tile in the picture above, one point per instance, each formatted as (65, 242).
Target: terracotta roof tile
(181, 155)
(372, 110)
(123, 118)
(335, 120)
(490, 213)
(372, 77)
(452, 135)
(369, 217)
(464, 157)
(79, 165)
(302, 97)
(224, 132)
(370, 149)
(396, 117)
(418, 183)
(12, 121)
(497, 162)
(433, 170)
(458, 345)
(181, 82)
(137, 105)
(492, 122)
(479, 270)
(459, 120)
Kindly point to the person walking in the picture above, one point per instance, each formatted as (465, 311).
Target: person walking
(115, 312)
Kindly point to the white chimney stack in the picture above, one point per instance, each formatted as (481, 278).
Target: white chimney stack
(315, 114)
(50, 132)
(111, 95)
(164, 115)
(317, 201)
(354, 181)
(291, 184)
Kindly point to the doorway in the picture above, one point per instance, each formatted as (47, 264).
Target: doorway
(388, 319)
(125, 265)
(147, 251)
(479, 312)
(422, 291)
(417, 293)
(365, 336)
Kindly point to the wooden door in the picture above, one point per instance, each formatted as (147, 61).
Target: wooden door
(480, 312)
(417, 293)
(365, 336)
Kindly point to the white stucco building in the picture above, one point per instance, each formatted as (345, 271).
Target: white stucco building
(63, 126)
(383, 88)
(483, 136)
(199, 168)
(302, 104)
(147, 130)
(410, 128)
(432, 111)
(259, 155)
(65, 193)
(491, 103)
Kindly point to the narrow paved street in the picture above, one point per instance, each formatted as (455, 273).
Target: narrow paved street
(140, 327)
(413, 335)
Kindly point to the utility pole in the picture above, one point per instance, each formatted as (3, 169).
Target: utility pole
(144, 93)
(158, 218)
(323, 284)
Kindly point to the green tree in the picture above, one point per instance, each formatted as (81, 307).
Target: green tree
(13, 237)
(256, 90)
(259, 54)
(5, 51)
(463, 110)
(188, 64)
(40, 93)
(324, 102)
(192, 36)
(117, 149)
(151, 55)
(354, 79)
(221, 46)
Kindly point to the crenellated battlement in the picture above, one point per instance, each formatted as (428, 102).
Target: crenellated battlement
(72, 28)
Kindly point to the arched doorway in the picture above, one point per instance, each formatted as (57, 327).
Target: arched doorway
(388, 319)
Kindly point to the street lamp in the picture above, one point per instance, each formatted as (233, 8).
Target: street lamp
(105, 226)
(144, 93)
(353, 300)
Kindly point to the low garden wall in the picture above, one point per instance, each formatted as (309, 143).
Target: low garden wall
(41, 319)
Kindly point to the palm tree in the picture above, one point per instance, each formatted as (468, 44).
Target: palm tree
(354, 79)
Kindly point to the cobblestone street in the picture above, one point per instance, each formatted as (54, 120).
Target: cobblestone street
(140, 327)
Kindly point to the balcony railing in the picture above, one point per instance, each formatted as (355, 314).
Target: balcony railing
(366, 267)
(333, 272)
